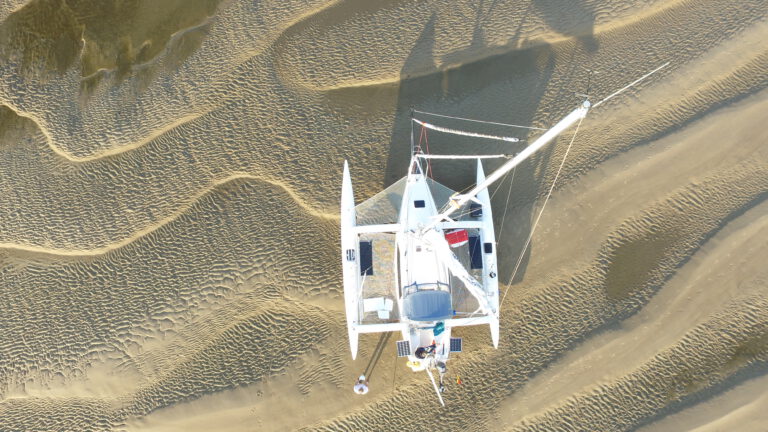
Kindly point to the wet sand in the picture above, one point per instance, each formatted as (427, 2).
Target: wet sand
(170, 178)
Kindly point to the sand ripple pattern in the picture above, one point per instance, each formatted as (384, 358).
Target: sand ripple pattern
(169, 197)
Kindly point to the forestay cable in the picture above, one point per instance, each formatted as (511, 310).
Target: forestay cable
(479, 121)
(621, 90)
(538, 217)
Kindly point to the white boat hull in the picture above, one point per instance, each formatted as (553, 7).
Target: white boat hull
(490, 271)
(349, 258)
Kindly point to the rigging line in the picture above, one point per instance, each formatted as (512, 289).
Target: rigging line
(478, 121)
(465, 190)
(429, 162)
(394, 372)
(506, 206)
(448, 204)
(457, 215)
(617, 92)
(376, 355)
(493, 156)
(464, 133)
(421, 137)
(467, 210)
(538, 217)
(412, 149)
(501, 182)
(373, 354)
(471, 319)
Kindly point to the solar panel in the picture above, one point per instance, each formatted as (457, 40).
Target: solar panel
(475, 257)
(455, 344)
(366, 258)
(403, 348)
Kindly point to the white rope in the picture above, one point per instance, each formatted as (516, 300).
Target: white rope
(616, 93)
(506, 205)
(536, 222)
(459, 132)
(477, 121)
(434, 156)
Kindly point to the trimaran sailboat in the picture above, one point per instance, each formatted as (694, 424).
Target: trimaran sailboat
(420, 259)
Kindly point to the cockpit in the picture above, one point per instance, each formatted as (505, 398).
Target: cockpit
(427, 302)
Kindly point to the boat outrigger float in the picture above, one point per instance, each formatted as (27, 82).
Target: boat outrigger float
(420, 259)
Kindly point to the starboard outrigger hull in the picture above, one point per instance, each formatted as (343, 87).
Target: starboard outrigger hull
(491, 280)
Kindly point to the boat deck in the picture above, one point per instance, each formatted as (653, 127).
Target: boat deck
(383, 281)
(383, 208)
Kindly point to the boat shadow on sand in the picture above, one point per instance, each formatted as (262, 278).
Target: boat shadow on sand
(505, 87)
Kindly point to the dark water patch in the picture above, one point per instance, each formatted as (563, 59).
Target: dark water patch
(632, 264)
(44, 35)
(49, 36)
(14, 127)
(754, 349)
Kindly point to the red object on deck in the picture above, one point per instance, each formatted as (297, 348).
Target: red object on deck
(457, 237)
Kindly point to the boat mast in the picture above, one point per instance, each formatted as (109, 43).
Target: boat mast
(459, 200)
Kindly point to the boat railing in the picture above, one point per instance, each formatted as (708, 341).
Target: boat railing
(430, 286)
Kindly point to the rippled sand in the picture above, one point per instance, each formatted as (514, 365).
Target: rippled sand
(169, 186)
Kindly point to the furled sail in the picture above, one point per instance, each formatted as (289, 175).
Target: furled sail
(465, 133)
